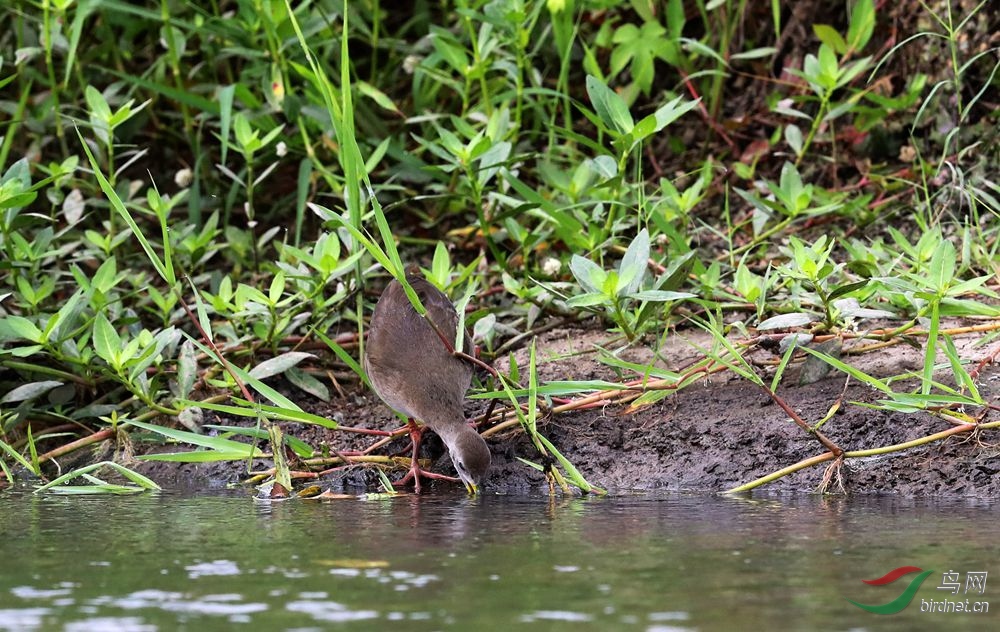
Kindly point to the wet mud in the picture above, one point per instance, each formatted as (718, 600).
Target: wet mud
(719, 433)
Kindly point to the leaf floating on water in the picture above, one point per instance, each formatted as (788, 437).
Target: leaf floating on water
(378, 496)
(328, 495)
(308, 492)
(354, 563)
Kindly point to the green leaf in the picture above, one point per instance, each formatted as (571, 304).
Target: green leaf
(663, 116)
(300, 447)
(65, 317)
(661, 295)
(376, 95)
(588, 274)
(225, 117)
(632, 269)
(166, 272)
(609, 106)
(850, 370)
(587, 300)
(30, 391)
(829, 36)
(638, 48)
(793, 136)
(450, 51)
(306, 382)
(861, 24)
(755, 53)
(942, 267)
(143, 482)
(829, 69)
(97, 104)
(216, 444)
(244, 134)
(19, 328)
(253, 410)
(107, 342)
(604, 166)
(847, 288)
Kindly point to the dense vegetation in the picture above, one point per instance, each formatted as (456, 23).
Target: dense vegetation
(184, 182)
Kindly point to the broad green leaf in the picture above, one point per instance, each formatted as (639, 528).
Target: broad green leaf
(609, 106)
(19, 328)
(376, 95)
(604, 166)
(632, 269)
(107, 342)
(829, 36)
(30, 391)
(663, 116)
(588, 274)
(861, 24)
(587, 300)
(306, 382)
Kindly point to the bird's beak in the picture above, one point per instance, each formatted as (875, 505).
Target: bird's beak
(471, 488)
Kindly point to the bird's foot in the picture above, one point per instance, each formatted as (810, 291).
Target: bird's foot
(416, 473)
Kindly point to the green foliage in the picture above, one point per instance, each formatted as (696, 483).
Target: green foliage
(519, 146)
(623, 293)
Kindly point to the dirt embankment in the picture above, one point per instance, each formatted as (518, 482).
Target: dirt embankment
(708, 437)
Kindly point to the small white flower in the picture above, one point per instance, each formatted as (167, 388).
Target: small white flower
(281, 149)
(183, 178)
(551, 266)
(410, 63)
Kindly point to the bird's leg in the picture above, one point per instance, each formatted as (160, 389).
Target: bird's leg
(416, 434)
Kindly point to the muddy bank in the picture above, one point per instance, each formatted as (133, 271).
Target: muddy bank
(712, 436)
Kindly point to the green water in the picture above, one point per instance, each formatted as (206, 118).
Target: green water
(205, 561)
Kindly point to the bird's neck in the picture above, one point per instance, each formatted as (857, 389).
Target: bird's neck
(448, 426)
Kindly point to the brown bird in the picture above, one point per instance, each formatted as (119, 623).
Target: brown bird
(415, 372)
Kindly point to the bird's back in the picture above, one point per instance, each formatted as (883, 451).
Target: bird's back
(407, 362)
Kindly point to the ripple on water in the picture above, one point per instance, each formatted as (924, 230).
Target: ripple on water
(230, 605)
(329, 611)
(214, 568)
(22, 618)
(110, 624)
(556, 615)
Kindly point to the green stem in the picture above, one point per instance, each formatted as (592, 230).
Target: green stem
(48, 20)
(251, 222)
(175, 66)
(476, 63)
(823, 104)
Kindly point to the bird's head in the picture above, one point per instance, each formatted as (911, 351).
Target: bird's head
(471, 457)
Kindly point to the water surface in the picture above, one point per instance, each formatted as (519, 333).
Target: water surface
(209, 560)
